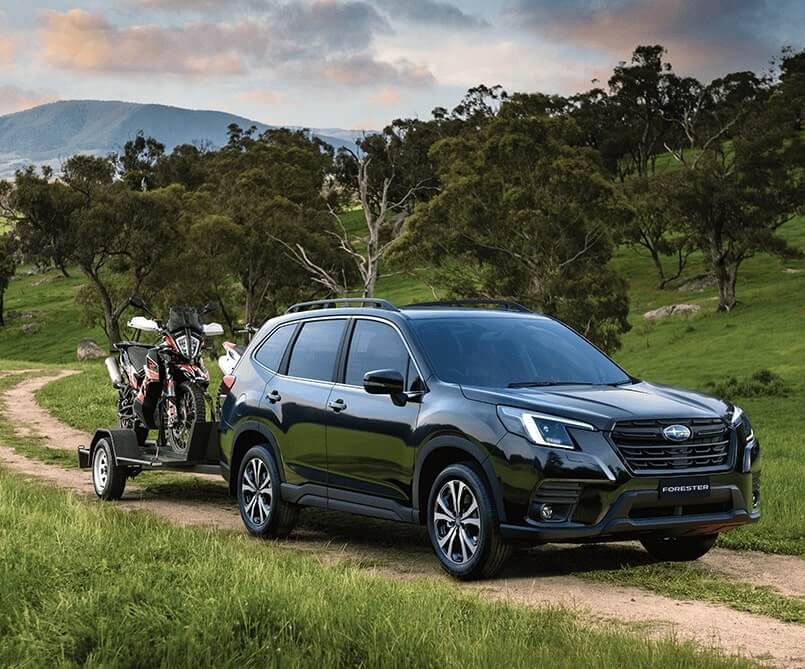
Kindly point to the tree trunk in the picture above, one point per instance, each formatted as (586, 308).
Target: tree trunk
(111, 324)
(727, 276)
(2, 302)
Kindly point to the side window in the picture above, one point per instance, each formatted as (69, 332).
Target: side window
(316, 349)
(272, 349)
(374, 346)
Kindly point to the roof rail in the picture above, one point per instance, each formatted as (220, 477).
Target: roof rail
(376, 302)
(505, 305)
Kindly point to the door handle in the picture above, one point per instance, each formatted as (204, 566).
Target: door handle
(337, 405)
(274, 396)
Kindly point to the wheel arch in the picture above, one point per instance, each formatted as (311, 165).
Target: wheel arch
(446, 450)
(249, 434)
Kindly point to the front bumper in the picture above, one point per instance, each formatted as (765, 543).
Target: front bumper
(640, 512)
(594, 496)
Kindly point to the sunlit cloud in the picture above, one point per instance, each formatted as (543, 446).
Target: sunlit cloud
(387, 97)
(14, 99)
(260, 97)
(366, 71)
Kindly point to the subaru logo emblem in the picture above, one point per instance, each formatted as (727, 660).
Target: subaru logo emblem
(676, 433)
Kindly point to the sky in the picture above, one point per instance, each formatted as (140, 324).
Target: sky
(362, 63)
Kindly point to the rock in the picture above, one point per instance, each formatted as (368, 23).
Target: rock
(26, 316)
(698, 283)
(672, 310)
(40, 282)
(791, 270)
(89, 350)
(30, 328)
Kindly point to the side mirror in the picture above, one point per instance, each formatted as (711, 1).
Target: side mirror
(384, 382)
(137, 302)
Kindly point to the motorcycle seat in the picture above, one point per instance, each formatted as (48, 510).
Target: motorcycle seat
(136, 352)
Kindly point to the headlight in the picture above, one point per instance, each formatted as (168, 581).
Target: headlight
(740, 419)
(188, 345)
(540, 429)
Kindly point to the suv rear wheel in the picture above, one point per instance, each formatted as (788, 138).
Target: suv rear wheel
(679, 549)
(263, 511)
(463, 524)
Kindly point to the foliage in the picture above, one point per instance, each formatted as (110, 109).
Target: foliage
(742, 174)
(526, 213)
(9, 258)
(762, 383)
(655, 226)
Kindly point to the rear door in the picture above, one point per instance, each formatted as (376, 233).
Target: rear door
(370, 445)
(297, 396)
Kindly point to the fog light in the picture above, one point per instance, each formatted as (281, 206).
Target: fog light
(546, 512)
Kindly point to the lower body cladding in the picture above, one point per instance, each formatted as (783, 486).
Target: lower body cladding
(590, 496)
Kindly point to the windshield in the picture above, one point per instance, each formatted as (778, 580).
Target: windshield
(512, 352)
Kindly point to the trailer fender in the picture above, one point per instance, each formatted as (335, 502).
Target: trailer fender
(126, 448)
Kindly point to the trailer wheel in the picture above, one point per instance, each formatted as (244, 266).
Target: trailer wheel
(108, 479)
(265, 514)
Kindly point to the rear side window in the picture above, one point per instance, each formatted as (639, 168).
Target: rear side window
(374, 346)
(272, 349)
(316, 349)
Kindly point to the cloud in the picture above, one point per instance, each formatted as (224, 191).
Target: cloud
(431, 12)
(14, 99)
(260, 97)
(386, 97)
(705, 36)
(86, 42)
(366, 71)
(328, 40)
(8, 46)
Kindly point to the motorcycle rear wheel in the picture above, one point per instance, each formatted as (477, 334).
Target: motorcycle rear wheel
(191, 408)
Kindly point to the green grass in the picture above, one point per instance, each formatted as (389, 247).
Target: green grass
(85, 401)
(85, 584)
(50, 299)
(693, 582)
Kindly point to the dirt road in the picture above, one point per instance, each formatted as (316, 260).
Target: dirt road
(537, 576)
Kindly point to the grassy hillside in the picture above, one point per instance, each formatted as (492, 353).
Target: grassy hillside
(763, 333)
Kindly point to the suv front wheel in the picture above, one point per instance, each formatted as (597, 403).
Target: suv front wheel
(463, 524)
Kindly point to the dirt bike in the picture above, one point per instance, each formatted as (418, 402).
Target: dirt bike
(163, 386)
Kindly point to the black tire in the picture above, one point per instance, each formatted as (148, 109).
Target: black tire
(490, 551)
(678, 549)
(108, 479)
(274, 518)
(189, 392)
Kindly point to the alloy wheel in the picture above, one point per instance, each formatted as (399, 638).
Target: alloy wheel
(256, 491)
(457, 521)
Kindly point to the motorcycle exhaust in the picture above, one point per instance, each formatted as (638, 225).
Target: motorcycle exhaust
(114, 371)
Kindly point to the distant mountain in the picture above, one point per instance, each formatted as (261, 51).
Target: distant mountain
(51, 133)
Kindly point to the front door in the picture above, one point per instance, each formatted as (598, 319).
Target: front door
(370, 439)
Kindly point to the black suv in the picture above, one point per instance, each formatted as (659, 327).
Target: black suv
(490, 425)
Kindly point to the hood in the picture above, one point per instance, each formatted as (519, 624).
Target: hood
(602, 406)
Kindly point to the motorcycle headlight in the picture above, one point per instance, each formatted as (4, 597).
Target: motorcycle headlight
(188, 345)
(540, 429)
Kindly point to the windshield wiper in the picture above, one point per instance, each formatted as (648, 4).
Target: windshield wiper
(538, 384)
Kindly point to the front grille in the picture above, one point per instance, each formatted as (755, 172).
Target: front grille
(647, 451)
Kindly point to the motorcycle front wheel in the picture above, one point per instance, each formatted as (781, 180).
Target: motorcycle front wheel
(191, 409)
